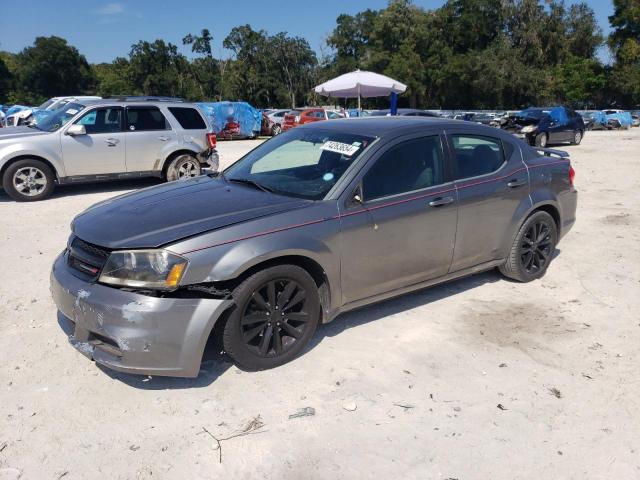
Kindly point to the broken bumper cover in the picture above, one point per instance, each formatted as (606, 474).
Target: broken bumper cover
(134, 333)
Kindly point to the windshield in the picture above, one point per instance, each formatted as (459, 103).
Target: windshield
(532, 114)
(57, 118)
(302, 163)
(47, 104)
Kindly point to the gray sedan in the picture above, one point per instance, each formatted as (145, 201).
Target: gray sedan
(320, 220)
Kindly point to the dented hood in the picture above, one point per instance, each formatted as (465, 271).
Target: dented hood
(166, 213)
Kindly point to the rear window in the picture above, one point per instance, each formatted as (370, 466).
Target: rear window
(188, 118)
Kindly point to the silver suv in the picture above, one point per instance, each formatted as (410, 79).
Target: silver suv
(101, 140)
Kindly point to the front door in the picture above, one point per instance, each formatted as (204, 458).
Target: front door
(148, 133)
(401, 230)
(492, 182)
(102, 150)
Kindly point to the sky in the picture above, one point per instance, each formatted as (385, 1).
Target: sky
(103, 30)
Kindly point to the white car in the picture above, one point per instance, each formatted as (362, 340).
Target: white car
(100, 140)
(25, 116)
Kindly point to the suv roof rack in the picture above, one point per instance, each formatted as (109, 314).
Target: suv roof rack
(143, 98)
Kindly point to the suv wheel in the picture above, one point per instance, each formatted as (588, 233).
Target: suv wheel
(276, 314)
(541, 140)
(183, 167)
(532, 249)
(577, 137)
(28, 180)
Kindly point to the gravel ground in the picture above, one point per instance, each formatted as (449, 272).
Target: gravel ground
(481, 378)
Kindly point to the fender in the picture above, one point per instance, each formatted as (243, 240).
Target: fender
(231, 260)
(26, 149)
(532, 202)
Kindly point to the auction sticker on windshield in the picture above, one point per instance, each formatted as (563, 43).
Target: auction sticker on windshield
(339, 147)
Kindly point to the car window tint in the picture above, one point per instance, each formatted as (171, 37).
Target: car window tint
(145, 118)
(188, 118)
(412, 165)
(101, 120)
(477, 155)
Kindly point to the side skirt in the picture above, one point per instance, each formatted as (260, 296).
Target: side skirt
(108, 177)
(483, 267)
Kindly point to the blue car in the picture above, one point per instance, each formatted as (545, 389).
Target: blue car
(543, 126)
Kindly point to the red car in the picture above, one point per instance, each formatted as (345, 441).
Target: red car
(308, 115)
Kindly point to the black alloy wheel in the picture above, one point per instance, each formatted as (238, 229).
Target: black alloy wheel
(532, 248)
(535, 248)
(275, 317)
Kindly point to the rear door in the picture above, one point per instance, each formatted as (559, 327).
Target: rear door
(102, 150)
(491, 181)
(403, 231)
(147, 132)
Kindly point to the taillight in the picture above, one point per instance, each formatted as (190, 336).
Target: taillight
(572, 175)
(212, 140)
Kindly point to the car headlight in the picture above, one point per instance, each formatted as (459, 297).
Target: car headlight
(157, 269)
(529, 129)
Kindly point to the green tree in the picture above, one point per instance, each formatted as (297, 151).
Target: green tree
(113, 78)
(204, 68)
(624, 42)
(6, 81)
(156, 68)
(51, 68)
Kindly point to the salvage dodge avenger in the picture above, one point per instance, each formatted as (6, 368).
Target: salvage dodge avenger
(314, 222)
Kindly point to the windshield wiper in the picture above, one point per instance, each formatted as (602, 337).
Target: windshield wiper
(253, 183)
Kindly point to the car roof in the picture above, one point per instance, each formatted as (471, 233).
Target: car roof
(135, 103)
(381, 126)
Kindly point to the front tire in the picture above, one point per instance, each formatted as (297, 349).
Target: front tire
(276, 313)
(532, 248)
(276, 130)
(541, 140)
(183, 167)
(28, 180)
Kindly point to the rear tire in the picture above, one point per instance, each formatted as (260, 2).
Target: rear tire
(577, 137)
(183, 167)
(541, 140)
(532, 248)
(28, 180)
(276, 130)
(276, 313)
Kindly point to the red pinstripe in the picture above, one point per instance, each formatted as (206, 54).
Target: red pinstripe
(385, 205)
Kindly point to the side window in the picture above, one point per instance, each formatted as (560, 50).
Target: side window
(188, 118)
(145, 118)
(477, 155)
(412, 165)
(101, 120)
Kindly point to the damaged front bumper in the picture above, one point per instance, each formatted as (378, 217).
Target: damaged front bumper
(134, 333)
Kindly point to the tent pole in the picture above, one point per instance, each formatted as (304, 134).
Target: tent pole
(359, 106)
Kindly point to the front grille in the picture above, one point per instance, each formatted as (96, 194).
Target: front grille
(87, 258)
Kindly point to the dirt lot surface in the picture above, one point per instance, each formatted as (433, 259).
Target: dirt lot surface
(480, 378)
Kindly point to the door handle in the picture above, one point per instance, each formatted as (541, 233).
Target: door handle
(438, 202)
(112, 142)
(516, 183)
(162, 138)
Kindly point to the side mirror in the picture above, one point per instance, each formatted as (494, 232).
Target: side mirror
(76, 129)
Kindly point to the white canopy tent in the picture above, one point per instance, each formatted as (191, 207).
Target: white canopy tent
(360, 84)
